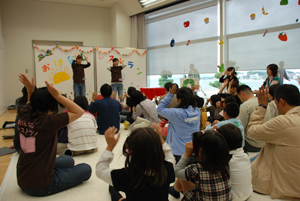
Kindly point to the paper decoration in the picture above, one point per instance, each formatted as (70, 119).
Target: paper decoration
(46, 68)
(206, 20)
(99, 56)
(282, 36)
(71, 93)
(134, 50)
(138, 68)
(297, 20)
(189, 82)
(264, 12)
(299, 2)
(265, 33)
(111, 57)
(139, 73)
(188, 43)
(186, 24)
(284, 2)
(130, 63)
(221, 42)
(222, 68)
(252, 16)
(48, 53)
(172, 43)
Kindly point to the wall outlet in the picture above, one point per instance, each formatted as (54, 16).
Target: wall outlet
(26, 70)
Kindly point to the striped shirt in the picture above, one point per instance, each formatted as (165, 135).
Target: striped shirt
(82, 133)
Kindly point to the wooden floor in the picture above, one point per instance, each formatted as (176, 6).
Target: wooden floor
(9, 115)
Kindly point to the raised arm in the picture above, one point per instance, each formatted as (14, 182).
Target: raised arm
(180, 167)
(28, 84)
(123, 65)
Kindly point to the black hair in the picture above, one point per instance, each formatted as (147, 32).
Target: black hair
(215, 153)
(115, 59)
(106, 90)
(187, 98)
(273, 68)
(230, 69)
(235, 84)
(289, 93)
(232, 109)
(244, 88)
(144, 169)
(272, 89)
(79, 57)
(214, 99)
(42, 101)
(177, 87)
(130, 90)
(82, 102)
(199, 101)
(232, 135)
(224, 95)
(137, 97)
(23, 100)
(230, 99)
(168, 85)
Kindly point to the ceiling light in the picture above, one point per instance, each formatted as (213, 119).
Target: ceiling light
(147, 3)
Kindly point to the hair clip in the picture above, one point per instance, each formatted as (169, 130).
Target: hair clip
(127, 151)
(202, 132)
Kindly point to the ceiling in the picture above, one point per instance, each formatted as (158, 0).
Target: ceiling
(132, 7)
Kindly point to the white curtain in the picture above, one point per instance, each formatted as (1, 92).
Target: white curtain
(138, 37)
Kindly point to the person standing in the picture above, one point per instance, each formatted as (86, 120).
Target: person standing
(78, 75)
(116, 77)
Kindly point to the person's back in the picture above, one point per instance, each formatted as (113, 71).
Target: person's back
(107, 110)
(183, 121)
(239, 164)
(147, 109)
(276, 169)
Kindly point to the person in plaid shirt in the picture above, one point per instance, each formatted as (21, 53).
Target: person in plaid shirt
(209, 179)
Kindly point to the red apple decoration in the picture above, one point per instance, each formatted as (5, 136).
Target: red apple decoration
(282, 36)
(186, 24)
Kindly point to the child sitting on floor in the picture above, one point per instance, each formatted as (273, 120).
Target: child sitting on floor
(144, 177)
(272, 108)
(39, 172)
(81, 133)
(239, 164)
(208, 178)
(231, 111)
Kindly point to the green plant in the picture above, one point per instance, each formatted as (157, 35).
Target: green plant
(164, 79)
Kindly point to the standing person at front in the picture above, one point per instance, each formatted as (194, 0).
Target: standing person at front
(116, 77)
(78, 75)
(39, 172)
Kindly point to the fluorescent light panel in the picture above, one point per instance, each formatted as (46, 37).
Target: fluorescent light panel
(146, 3)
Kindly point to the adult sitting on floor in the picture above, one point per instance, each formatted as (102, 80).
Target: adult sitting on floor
(276, 170)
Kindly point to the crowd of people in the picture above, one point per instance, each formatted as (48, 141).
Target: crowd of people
(204, 164)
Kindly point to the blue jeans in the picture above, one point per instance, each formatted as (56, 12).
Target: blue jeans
(119, 88)
(66, 176)
(79, 89)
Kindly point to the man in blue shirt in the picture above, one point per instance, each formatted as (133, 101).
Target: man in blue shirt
(107, 109)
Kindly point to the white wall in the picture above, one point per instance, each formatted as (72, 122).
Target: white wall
(24, 21)
(3, 102)
(120, 27)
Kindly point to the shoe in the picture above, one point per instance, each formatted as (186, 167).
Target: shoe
(173, 192)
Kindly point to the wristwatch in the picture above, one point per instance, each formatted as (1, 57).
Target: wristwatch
(263, 106)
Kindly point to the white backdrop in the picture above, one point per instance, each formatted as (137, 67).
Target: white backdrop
(134, 74)
(56, 68)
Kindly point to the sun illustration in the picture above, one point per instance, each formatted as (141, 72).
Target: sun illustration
(59, 75)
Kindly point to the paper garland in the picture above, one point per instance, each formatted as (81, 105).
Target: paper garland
(90, 51)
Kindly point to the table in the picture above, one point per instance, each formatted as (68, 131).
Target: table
(152, 92)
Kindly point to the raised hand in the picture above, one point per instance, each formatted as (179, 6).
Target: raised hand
(27, 83)
(262, 96)
(226, 82)
(53, 91)
(125, 95)
(189, 149)
(95, 96)
(173, 89)
(110, 138)
(207, 124)
(158, 131)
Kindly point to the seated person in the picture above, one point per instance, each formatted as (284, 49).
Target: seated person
(211, 109)
(143, 107)
(275, 171)
(239, 164)
(225, 98)
(231, 111)
(271, 109)
(173, 102)
(81, 141)
(107, 109)
(233, 85)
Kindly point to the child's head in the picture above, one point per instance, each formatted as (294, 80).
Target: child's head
(185, 98)
(234, 86)
(232, 135)
(231, 110)
(137, 97)
(214, 99)
(229, 99)
(116, 62)
(79, 59)
(42, 101)
(106, 90)
(231, 71)
(82, 102)
(145, 158)
(168, 86)
(211, 149)
(176, 86)
(199, 101)
(272, 70)
(272, 89)
(130, 90)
